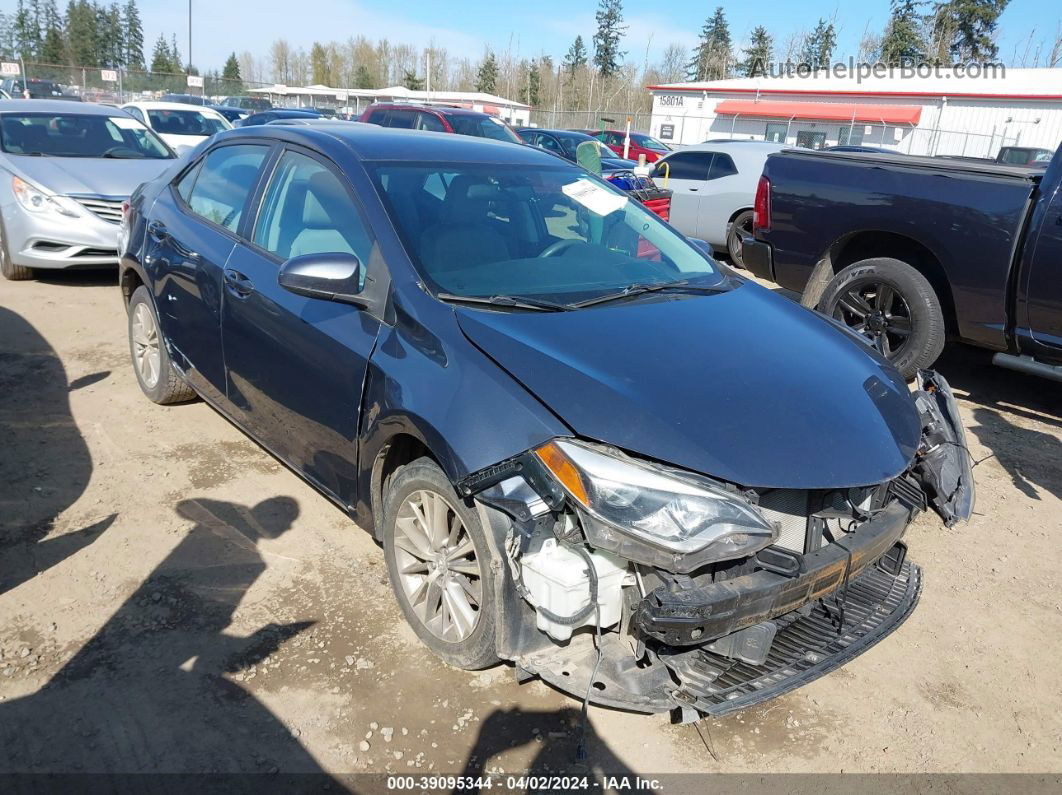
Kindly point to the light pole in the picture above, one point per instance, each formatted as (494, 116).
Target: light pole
(189, 33)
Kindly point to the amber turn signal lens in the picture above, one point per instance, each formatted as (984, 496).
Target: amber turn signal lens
(563, 470)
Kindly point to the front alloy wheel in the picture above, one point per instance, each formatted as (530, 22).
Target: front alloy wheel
(437, 566)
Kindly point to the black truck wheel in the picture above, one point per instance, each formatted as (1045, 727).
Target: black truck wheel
(894, 306)
(742, 223)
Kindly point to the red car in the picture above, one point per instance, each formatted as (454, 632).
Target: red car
(641, 144)
(436, 118)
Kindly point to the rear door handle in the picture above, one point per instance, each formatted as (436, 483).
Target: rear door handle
(238, 284)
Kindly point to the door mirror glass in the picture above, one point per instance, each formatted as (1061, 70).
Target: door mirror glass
(329, 277)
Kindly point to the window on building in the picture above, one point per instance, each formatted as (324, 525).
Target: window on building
(776, 132)
(851, 135)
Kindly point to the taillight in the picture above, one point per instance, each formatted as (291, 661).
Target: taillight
(761, 208)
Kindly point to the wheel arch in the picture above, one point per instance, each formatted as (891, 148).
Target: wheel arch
(868, 244)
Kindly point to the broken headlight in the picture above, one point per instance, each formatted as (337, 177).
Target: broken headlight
(648, 514)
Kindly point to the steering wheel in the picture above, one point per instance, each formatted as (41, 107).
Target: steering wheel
(553, 249)
(114, 149)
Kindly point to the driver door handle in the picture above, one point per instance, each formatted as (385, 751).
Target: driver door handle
(238, 284)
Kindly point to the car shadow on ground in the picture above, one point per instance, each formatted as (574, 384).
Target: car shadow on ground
(45, 465)
(560, 747)
(153, 690)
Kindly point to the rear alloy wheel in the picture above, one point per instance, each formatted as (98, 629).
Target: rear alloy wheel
(11, 271)
(438, 560)
(742, 223)
(155, 373)
(892, 305)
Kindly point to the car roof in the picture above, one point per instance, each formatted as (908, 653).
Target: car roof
(373, 142)
(736, 145)
(448, 110)
(54, 106)
(156, 105)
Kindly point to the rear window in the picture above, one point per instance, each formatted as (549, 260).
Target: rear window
(185, 122)
(648, 142)
(77, 135)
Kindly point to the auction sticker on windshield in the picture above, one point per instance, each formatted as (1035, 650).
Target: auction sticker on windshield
(593, 197)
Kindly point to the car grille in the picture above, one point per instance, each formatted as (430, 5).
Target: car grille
(107, 209)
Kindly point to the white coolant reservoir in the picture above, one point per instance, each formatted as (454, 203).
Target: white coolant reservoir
(556, 579)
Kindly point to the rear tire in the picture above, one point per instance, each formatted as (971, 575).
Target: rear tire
(154, 370)
(11, 271)
(742, 223)
(440, 563)
(894, 306)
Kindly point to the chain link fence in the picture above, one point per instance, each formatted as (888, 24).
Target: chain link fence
(590, 119)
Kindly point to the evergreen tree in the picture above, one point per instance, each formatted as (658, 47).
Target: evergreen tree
(712, 57)
(176, 64)
(161, 58)
(757, 54)
(487, 75)
(575, 58)
(7, 37)
(818, 46)
(534, 84)
(610, 29)
(231, 70)
(964, 30)
(362, 78)
(52, 44)
(26, 31)
(411, 81)
(80, 27)
(133, 35)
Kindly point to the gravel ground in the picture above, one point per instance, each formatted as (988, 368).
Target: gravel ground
(173, 599)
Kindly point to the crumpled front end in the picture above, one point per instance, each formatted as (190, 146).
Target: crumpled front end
(655, 590)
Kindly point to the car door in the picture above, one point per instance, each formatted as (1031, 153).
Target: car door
(1043, 292)
(190, 234)
(296, 365)
(686, 174)
(719, 197)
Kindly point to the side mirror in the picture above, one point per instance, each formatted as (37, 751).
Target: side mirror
(329, 277)
(703, 245)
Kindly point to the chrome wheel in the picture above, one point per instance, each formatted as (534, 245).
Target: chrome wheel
(438, 569)
(146, 355)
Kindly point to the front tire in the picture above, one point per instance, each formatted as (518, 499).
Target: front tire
(11, 271)
(440, 564)
(742, 223)
(894, 306)
(155, 373)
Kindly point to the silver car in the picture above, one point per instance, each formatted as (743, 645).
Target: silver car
(714, 185)
(65, 170)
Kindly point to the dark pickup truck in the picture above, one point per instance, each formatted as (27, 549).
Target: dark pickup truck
(911, 251)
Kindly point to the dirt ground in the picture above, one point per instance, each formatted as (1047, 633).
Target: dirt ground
(173, 599)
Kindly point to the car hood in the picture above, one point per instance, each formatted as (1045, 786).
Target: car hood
(87, 175)
(745, 386)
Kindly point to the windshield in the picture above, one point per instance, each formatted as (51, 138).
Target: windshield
(483, 127)
(543, 232)
(185, 122)
(77, 135)
(649, 142)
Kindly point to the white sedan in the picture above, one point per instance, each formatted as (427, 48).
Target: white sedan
(178, 125)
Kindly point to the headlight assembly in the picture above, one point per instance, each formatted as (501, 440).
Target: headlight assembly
(647, 514)
(37, 201)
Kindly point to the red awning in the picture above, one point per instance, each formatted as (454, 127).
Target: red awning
(826, 111)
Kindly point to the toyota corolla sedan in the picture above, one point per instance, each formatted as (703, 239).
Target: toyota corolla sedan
(584, 445)
(65, 171)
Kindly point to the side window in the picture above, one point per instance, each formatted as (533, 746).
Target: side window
(307, 210)
(225, 180)
(687, 165)
(722, 166)
(549, 143)
(430, 122)
(614, 139)
(187, 181)
(136, 114)
(402, 119)
(379, 117)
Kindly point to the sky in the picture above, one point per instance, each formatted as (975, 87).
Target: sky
(529, 28)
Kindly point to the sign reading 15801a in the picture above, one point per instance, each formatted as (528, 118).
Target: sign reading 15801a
(671, 100)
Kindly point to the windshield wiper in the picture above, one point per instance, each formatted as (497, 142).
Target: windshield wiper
(640, 289)
(504, 300)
